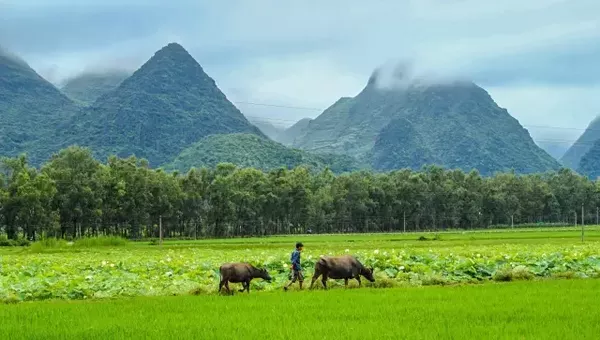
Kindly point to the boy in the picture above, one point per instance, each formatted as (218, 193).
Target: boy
(296, 267)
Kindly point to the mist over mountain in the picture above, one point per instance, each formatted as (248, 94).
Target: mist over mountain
(270, 130)
(87, 87)
(416, 122)
(289, 135)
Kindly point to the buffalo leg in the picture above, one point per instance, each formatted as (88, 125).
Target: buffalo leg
(227, 287)
(248, 287)
(346, 283)
(243, 287)
(324, 281)
(358, 279)
(314, 278)
(220, 286)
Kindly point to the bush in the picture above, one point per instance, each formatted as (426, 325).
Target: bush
(521, 273)
(101, 241)
(48, 243)
(434, 280)
(5, 242)
(503, 274)
(23, 242)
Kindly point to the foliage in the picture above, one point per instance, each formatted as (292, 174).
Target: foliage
(248, 150)
(148, 271)
(74, 196)
(6, 242)
(457, 126)
(86, 88)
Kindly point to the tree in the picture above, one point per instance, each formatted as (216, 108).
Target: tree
(74, 171)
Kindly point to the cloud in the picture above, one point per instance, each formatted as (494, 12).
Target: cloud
(310, 53)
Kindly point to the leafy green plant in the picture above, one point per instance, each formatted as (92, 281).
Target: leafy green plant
(101, 272)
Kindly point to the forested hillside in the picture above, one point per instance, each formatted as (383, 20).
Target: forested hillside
(247, 150)
(582, 145)
(30, 109)
(589, 164)
(74, 195)
(453, 124)
(165, 106)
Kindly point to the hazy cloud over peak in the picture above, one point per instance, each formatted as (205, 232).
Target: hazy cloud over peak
(538, 58)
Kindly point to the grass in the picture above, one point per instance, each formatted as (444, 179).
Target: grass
(560, 309)
(543, 235)
(474, 237)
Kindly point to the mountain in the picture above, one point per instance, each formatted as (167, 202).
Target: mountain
(267, 128)
(555, 149)
(86, 88)
(249, 150)
(453, 124)
(162, 108)
(589, 164)
(583, 144)
(30, 109)
(294, 132)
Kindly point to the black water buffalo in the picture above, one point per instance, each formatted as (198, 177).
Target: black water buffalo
(340, 267)
(241, 272)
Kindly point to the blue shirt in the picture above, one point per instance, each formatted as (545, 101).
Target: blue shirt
(296, 260)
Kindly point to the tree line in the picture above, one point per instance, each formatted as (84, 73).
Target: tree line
(74, 196)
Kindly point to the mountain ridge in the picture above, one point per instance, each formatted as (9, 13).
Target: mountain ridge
(166, 105)
(31, 108)
(443, 118)
(582, 145)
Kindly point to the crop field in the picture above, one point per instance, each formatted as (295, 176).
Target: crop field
(191, 267)
(556, 309)
(427, 287)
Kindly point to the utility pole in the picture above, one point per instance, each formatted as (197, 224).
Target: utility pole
(404, 217)
(512, 221)
(160, 238)
(596, 215)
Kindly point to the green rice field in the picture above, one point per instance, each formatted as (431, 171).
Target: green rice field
(486, 284)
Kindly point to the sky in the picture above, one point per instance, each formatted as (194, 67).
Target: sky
(539, 59)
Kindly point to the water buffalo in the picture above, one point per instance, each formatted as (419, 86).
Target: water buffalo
(340, 267)
(241, 272)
